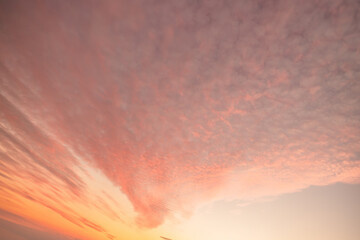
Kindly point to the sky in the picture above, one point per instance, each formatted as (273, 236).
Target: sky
(181, 120)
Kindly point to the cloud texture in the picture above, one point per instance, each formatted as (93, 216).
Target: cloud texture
(179, 102)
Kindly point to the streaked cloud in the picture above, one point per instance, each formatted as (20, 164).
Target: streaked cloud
(143, 110)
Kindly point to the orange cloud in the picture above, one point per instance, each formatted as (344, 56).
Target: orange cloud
(175, 103)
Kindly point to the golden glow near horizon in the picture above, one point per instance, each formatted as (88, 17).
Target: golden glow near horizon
(179, 120)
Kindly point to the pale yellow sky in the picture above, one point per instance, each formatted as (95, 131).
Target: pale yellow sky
(321, 212)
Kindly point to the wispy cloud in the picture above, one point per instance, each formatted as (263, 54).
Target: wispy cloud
(177, 102)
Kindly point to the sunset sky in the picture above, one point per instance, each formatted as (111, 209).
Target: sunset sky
(179, 119)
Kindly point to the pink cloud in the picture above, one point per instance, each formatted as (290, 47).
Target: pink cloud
(177, 101)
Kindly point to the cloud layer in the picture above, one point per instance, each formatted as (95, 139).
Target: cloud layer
(180, 102)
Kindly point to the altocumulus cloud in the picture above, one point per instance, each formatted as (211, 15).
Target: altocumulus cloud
(179, 102)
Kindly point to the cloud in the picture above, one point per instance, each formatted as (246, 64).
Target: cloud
(181, 102)
(11, 230)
